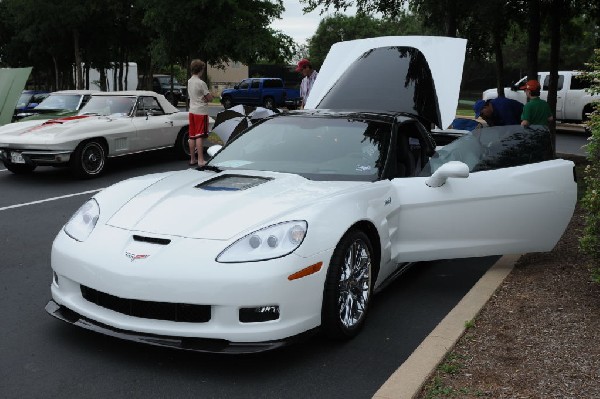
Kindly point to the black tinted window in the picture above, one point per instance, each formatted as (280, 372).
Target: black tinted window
(386, 78)
(495, 147)
(270, 83)
(579, 84)
(561, 79)
(255, 84)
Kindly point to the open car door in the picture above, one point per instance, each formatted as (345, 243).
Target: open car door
(495, 191)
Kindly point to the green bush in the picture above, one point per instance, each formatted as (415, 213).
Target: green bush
(590, 240)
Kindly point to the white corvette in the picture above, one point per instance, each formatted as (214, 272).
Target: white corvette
(111, 124)
(293, 225)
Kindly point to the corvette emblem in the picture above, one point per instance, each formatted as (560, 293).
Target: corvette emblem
(133, 257)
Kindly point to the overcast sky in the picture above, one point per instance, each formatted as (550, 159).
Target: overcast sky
(298, 25)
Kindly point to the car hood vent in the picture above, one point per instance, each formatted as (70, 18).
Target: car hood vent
(232, 183)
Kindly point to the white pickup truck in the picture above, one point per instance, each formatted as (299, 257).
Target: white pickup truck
(573, 102)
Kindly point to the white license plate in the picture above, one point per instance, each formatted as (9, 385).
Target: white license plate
(16, 157)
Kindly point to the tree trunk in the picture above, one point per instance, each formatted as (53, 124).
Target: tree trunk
(56, 72)
(78, 63)
(533, 38)
(451, 25)
(557, 8)
(499, 64)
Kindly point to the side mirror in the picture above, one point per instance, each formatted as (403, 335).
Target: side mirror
(450, 169)
(236, 86)
(213, 149)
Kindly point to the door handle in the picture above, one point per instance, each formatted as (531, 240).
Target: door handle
(169, 123)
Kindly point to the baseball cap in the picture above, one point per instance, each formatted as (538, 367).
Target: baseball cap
(301, 64)
(532, 85)
(478, 106)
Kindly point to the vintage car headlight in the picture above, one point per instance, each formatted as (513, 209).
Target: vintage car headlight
(81, 224)
(268, 243)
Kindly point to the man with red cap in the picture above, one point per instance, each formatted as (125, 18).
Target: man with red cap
(536, 111)
(306, 69)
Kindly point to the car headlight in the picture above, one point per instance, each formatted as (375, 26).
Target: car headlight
(81, 224)
(268, 243)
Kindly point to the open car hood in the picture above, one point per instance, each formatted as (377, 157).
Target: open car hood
(418, 75)
(12, 83)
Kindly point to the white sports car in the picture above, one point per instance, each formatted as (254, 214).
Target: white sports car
(305, 214)
(111, 124)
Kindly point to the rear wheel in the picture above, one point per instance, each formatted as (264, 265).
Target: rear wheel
(348, 286)
(88, 159)
(182, 147)
(19, 169)
(587, 111)
(269, 102)
(227, 103)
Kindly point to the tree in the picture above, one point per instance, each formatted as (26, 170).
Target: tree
(590, 240)
(340, 27)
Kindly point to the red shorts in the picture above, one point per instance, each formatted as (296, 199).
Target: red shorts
(198, 126)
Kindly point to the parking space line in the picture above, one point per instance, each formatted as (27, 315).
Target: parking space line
(48, 199)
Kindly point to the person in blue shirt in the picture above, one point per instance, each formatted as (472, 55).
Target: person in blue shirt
(499, 111)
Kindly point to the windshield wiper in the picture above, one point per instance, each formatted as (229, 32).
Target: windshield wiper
(210, 167)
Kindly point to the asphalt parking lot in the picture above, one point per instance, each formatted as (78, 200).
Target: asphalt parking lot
(42, 357)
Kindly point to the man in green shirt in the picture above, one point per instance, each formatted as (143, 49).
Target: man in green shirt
(536, 111)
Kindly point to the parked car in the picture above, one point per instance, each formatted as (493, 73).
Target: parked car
(162, 85)
(266, 92)
(111, 124)
(28, 100)
(311, 211)
(574, 101)
(57, 105)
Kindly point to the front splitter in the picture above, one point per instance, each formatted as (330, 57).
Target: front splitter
(207, 345)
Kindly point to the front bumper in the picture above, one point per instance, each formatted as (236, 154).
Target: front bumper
(181, 343)
(36, 157)
(183, 274)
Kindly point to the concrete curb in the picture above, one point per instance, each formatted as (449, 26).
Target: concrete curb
(407, 380)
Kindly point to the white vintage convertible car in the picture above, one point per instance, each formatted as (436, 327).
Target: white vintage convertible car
(110, 125)
(311, 211)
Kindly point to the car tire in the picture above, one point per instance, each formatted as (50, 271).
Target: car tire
(348, 287)
(269, 103)
(227, 102)
(19, 169)
(89, 159)
(587, 111)
(182, 147)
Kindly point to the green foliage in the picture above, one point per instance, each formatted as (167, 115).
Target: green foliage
(590, 240)
(341, 27)
(52, 36)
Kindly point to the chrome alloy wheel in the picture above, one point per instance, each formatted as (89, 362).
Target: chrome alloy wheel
(354, 284)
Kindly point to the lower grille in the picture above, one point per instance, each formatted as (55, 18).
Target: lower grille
(180, 312)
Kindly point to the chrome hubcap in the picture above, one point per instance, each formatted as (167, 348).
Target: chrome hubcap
(354, 284)
(93, 159)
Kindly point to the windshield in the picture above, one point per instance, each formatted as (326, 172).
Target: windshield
(108, 105)
(317, 148)
(60, 101)
(24, 100)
